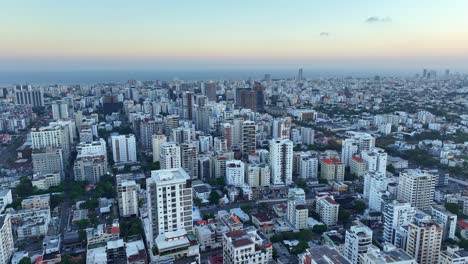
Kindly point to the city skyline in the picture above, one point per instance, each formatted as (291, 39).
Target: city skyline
(362, 35)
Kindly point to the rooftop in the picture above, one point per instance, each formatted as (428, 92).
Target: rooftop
(169, 176)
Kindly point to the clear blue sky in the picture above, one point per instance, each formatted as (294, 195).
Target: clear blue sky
(185, 34)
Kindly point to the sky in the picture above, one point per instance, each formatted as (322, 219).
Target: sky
(216, 34)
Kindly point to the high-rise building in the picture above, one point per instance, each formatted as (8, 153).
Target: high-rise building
(281, 161)
(124, 148)
(205, 168)
(357, 166)
(189, 156)
(349, 149)
(416, 187)
(157, 141)
(90, 168)
(59, 110)
(358, 240)
(307, 135)
(298, 213)
(188, 99)
(375, 159)
(235, 173)
(181, 135)
(47, 161)
(397, 215)
(210, 90)
(27, 95)
(446, 219)
(241, 246)
(6, 239)
(169, 156)
(332, 169)
(249, 137)
(376, 186)
(424, 242)
(51, 136)
(309, 167)
(172, 121)
(169, 195)
(227, 134)
(147, 129)
(300, 76)
(127, 195)
(258, 175)
(328, 209)
(282, 128)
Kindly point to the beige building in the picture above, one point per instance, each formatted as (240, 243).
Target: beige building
(332, 169)
(247, 246)
(328, 209)
(417, 188)
(424, 242)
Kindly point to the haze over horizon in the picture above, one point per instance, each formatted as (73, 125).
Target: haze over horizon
(364, 35)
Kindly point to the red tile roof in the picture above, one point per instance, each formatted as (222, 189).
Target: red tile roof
(328, 161)
(358, 159)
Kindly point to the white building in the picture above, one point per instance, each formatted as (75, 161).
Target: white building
(307, 135)
(157, 141)
(127, 196)
(59, 110)
(390, 255)
(51, 136)
(124, 148)
(376, 185)
(281, 161)
(453, 255)
(45, 181)
(416, 187)
(357, 242)
(169, 155)
(297, 211)
(349, 148)
(396, 215)
(235, 173)
(241, 246)
(446, 219)
(328, 209)
(258, 175)
(375, 159)
(309, 167)
(6, 239)
(169, 195)
(6, 198)
(94, 148)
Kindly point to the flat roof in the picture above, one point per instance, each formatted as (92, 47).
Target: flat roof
(169, 176)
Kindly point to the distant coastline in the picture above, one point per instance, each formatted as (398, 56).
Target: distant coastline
(8, 78)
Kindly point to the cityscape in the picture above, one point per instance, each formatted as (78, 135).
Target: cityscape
(228, 155)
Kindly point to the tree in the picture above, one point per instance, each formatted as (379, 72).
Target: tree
(452, 207)
(131, 227)
(343, 215)
(214, 197)
(319, 229)
(83, 223)
(391, 169)
(24, 188)
(25, 260)
(197, 202)
(246, 209)
(360, 206)
(301, 183)
(208, 216)
(300, 248)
